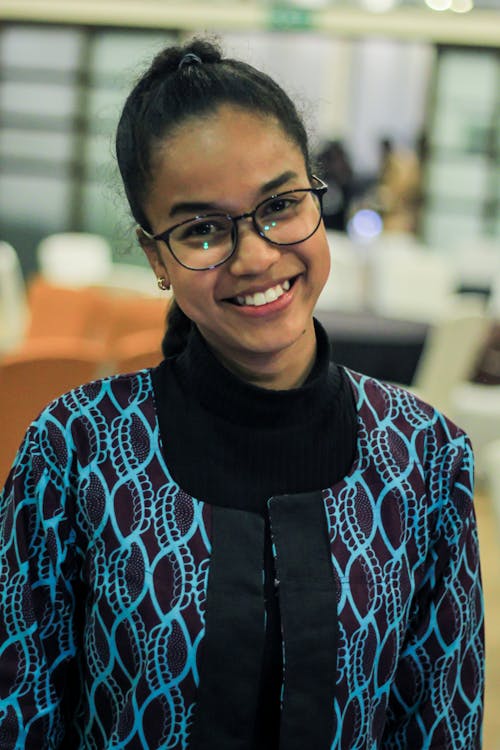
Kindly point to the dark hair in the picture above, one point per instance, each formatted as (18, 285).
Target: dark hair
(169, 93)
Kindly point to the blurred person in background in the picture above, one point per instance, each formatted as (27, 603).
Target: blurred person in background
(248, 546)
(336, 168)
(399, 189)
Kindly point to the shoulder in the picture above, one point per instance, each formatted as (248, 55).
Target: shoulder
(408, 449)
(108, 395)
(84, 416)
(387, 402)
(393, 415)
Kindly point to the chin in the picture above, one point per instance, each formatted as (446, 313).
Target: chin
(270, 343)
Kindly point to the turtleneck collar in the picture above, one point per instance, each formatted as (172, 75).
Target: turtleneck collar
(223, 394)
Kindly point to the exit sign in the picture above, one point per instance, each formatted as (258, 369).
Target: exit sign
(290, 17)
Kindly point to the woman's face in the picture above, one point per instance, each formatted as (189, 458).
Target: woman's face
(227, 161)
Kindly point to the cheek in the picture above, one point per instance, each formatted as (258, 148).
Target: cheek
(323, 257)
(193, 291)
(328, 259)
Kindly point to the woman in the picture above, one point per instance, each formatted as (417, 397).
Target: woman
(248, 546)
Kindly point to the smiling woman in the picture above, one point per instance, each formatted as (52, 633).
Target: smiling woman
(248, 546)
(239, 258)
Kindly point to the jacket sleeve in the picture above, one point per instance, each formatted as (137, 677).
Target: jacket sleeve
(436, 699)
(37, 601)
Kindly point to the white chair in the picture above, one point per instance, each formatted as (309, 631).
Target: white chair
(450, 354)
(494, 300)
(127, 278)
(345, 287)
(476, 262)
(74, 258)
(476, 408)
(398, 240)
(410, 283)
(13, 304)
(491, 465)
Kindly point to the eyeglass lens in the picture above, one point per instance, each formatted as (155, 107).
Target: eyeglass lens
(284, 220)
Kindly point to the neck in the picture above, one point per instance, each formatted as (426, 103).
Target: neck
(249, 443)
(279, 371)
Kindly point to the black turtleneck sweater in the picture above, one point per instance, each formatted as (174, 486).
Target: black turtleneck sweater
(233, 444)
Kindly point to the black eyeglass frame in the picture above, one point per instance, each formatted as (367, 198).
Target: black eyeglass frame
(318, 191)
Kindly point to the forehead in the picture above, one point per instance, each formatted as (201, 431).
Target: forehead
(230, 151)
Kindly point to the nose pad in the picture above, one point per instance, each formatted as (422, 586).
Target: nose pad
(253, 253)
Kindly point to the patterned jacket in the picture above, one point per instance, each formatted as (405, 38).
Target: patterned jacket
(132, 614)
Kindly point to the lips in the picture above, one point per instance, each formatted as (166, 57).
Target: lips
(257, 299)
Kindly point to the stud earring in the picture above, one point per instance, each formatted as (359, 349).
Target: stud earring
(163, 284)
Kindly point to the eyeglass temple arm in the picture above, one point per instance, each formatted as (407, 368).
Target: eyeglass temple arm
(146, 233)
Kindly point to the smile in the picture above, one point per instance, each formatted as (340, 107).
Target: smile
(263, 298)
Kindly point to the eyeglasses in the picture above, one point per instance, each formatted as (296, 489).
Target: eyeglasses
(205, 242)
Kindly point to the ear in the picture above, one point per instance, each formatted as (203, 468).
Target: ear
(150, 248)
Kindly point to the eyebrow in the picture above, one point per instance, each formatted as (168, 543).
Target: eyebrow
(195, 207)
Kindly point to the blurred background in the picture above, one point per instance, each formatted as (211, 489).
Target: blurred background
(402, 101)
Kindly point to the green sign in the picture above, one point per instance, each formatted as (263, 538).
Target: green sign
(285, 17)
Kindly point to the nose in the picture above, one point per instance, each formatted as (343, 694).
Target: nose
(253, 254)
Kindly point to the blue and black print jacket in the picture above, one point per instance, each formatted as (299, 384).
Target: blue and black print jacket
(132, 614)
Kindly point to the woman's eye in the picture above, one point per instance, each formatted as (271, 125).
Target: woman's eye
(202, 229)
(285, 205)
(278, 205)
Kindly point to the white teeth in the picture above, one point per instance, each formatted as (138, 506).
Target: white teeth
(263, 298)
(271, 294)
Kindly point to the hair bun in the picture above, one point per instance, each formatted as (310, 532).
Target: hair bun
(169, 60)
(207, 51)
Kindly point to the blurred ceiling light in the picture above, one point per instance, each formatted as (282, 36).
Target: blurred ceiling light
(438, 4)
(462, 6)
(365, 225)
(378, 6)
